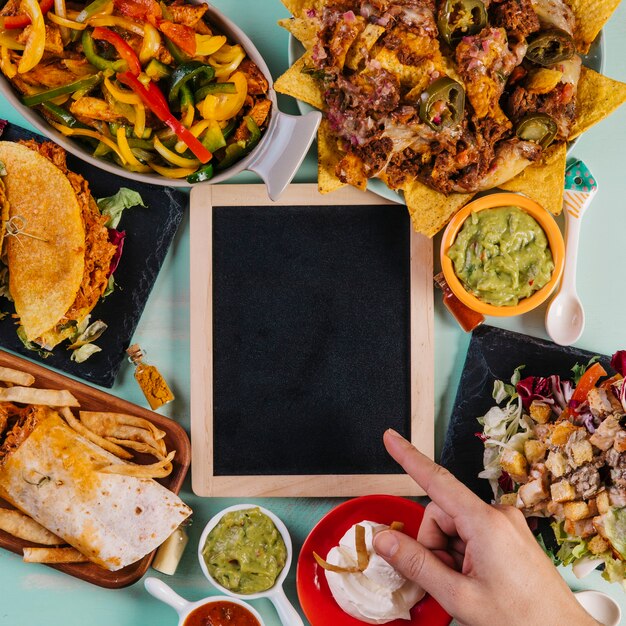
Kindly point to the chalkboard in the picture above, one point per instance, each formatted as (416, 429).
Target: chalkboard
(310, 342)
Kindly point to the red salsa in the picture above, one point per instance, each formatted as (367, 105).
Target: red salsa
(221, 613)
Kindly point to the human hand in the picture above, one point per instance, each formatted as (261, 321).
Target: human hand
(480, 562)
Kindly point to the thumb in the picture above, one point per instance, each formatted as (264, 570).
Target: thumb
(417, 563)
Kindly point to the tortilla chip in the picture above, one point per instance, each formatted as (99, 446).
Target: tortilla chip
(4, 212)
(598, 96)
(363, 44)
(328, 155)
(294, 82)
(297, 8)
(304, 30)
(591, 16)
(43, 197)
(431, 210)
(543, 181)
(408, 75)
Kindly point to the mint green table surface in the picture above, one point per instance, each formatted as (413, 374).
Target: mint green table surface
(35, 595)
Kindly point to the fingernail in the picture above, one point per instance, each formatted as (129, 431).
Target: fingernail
(386, 544)
(391, 432)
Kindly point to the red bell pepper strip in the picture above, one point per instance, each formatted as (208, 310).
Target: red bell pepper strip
(148, 10)
(154, 99)
(122, 47)
(587, 382)
(11, 22)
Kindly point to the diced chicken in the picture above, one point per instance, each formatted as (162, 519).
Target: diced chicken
(94, 108)
(556, 464)
(260, 111)
(555, 509)
(599, 402)
(532, 493)
(53, 74)
(580, 452)
(257, 83)
(605, 433)
(581, 528)
(54, 43)
(619, 444)
(617, 496)
(187, 14)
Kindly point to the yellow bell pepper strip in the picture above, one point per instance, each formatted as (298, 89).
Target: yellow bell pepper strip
(151, 44)
(122, 143)
(64, 22)
(36, 42)
(116, 21)
(226, 60)
(6, 65)
(140, 120)
(97, 7)
(83, 84)
(173, 172)
(172, 157)
(153, 98)
(22, 20)
(85, 132)
(123, 49)
(60, 10)
(223, 106)
(196, 130)
(89, 48)
(8, 42)
(208, 44)
(121, 95)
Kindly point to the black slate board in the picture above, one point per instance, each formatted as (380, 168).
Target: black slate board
(494, 354)
(149, 233)
(310, 338)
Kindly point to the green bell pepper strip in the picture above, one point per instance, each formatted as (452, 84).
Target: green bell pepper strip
(236, 151)
(255, 133)
(229, 129)
(204, 173)
(213, 139)
(185, 73)
(178, 55)
(61, 115)
(51, 94)
(158, 71)
(204, 91)
(91, 9)
(89, 48)
(186, 97)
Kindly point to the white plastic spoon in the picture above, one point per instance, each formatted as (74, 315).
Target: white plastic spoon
(565, 317)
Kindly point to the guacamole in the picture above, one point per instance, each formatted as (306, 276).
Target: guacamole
(502, 255)
(245, 552)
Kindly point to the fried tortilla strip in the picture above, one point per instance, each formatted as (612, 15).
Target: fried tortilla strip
(91, 436)
(20, 525)
(591, 16)
(597, 97)
(32, 395)
(362, 556)
(16, 377)
(53, 555)
(431, 210)
(334, 568)
(543, 181)
(155, 470)
(104, 423)
(328, 155)
(300, 85)
(139, 446)
(303, 29)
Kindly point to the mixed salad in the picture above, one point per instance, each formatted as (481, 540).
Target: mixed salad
(557, 449)
(149, 85)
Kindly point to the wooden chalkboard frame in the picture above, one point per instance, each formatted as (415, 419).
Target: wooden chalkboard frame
(204, 482)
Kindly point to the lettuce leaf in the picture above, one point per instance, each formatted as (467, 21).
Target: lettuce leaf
(114, 206)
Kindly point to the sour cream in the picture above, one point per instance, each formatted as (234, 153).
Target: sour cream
(377, 595)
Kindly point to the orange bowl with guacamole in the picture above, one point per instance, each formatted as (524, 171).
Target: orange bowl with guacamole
(502, 254)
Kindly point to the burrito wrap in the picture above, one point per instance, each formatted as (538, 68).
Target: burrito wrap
(114, 520)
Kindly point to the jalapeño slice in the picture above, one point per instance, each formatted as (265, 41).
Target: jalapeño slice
(537, 127)
(458, 18)
(442, 104)
(550, 46)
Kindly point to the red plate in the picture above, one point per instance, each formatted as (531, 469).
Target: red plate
(315, 597)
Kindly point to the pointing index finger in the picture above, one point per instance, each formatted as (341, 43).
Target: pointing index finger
(440, 485)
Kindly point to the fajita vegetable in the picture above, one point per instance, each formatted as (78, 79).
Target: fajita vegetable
(61, 247)
(442, 99)
(149, 85)
(557, 448)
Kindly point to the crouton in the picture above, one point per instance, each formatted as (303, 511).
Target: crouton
(532, 493)
(540, 411)
(534, 450)
(514, 463)
(575, 511)
(557, 464)
(563, 491)
(562, 432)
(602, 502)
(508, 499)
(593, 507)
(619, 443)
(598, 545)
(581, 452)
(581, 528)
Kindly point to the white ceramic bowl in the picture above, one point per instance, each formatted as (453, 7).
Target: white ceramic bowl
(275, 159)
(600, 606)
(165, 593)
(285, 610)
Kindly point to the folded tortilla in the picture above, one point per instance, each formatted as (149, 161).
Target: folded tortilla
(50, 472)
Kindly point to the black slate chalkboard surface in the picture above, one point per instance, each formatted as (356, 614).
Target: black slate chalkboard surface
(493, 354)
(149, 233)
(311, 338)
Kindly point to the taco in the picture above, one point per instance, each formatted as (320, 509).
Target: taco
(57, 250)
